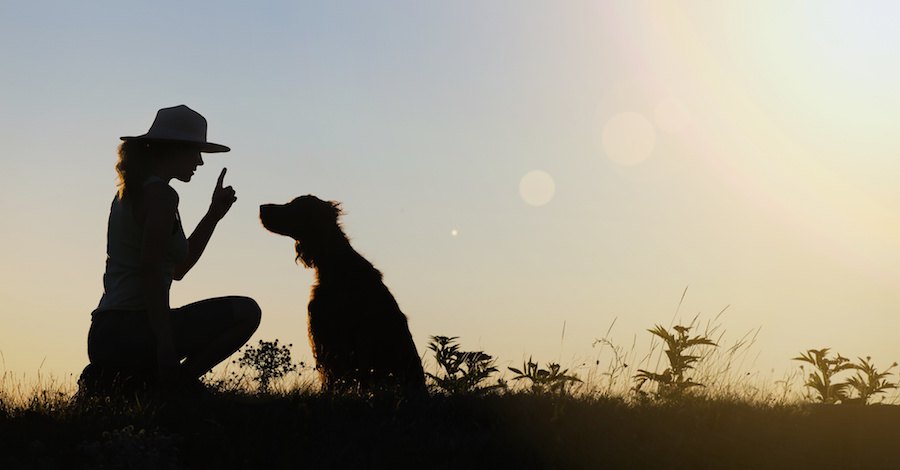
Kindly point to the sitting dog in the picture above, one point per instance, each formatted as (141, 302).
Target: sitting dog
(359, 337)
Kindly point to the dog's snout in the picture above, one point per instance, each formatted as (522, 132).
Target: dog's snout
(265, 210)
(272, 218)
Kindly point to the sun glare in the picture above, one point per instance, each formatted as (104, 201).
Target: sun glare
(671, 115)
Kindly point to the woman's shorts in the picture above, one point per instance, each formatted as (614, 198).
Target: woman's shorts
(123, 340)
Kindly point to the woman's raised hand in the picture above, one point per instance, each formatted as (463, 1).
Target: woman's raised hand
(222, 198)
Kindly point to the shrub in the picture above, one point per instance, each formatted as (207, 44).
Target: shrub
(821, 379)
(269, 361)
(463, 371)
(672, 383)
(553, 379)
(868, 381)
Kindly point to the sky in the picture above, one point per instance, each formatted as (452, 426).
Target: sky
(524, 173)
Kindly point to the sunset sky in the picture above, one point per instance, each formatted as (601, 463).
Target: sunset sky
(510, 166)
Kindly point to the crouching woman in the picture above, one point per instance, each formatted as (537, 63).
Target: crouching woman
(136, 339)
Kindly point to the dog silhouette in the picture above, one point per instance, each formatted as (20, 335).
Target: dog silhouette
(360, 339)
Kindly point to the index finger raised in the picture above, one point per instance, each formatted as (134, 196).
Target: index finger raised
(221, 177)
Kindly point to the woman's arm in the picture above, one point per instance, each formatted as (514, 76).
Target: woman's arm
(196, 244)
(160, 202)
(222, 199)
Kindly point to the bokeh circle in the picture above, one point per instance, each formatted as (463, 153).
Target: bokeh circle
(537, 188)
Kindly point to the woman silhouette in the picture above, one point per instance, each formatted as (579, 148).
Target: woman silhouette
(135, 337)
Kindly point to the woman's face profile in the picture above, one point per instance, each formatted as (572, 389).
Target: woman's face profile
(181, 161)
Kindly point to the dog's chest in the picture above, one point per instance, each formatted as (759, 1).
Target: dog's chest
(334, 299)
(348, 300)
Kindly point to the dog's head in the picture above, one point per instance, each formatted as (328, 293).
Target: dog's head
(312, 222)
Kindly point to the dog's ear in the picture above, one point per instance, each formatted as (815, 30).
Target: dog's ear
(301, 259)
(328, 211)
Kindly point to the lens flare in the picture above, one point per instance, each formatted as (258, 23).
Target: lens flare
(537, 188)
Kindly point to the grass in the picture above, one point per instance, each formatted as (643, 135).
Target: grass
(303, 428)
(267, 412)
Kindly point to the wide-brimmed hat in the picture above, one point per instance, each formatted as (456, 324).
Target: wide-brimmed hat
(180, 124)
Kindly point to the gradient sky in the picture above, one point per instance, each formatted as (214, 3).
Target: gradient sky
(510, 166)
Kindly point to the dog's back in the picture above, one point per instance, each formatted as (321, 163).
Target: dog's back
(358, 332)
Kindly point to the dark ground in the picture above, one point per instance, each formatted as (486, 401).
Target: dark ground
(518, 431)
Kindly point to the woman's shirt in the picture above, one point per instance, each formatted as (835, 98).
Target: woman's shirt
(123, 287)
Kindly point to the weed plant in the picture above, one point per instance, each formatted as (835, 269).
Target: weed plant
(821, 380)
(869, 381)
(461, 372)
(726, 371)
(609, 380)
(263, 371)
(865, 385)
(553, 379)
(672, 383)
(269, 361)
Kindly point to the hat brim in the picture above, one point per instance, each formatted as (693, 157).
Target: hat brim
(205, 147)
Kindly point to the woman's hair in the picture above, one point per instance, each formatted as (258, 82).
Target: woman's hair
(133, 167)
(137, 159)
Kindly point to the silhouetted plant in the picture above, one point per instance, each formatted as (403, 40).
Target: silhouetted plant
(270, 362)
(821, 379)
(618, 366)
(553, 379)
(672, 383)
(868, 381)
(463, 371)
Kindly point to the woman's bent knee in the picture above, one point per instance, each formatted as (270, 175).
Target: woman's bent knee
(246, 311)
